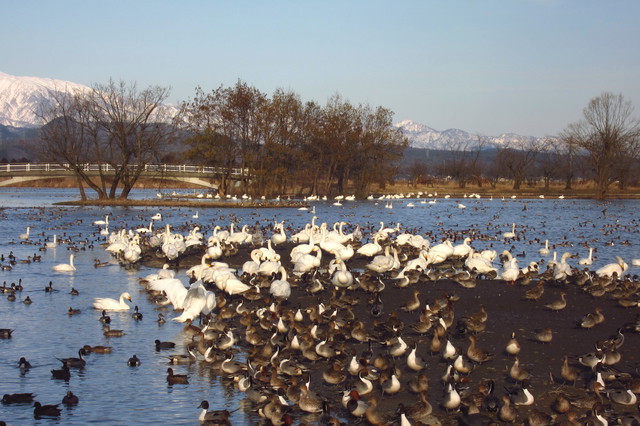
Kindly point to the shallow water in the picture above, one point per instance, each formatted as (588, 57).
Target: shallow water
(112, 393)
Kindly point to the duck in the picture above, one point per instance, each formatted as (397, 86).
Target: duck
(558, 305)
(79, 362)
(452, 400)
(65, 267)
(72, 311)
(520, 395)
(217, 417)
(109, 332)
(23, 364)
(181, 359)
(17, 398)
(164, 345)
(176, 378)
(513, 346)
(136, 315)
(105, 319)
(62, 374)
(477, 354)
(40, 410)
(70, 399)
(134, 361)
(109, 304)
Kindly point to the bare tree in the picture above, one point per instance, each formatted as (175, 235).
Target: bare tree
(518, 159)
(608, 135)
(111, 124)
(463, 164)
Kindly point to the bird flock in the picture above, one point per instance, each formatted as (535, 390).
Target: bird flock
(345, 323)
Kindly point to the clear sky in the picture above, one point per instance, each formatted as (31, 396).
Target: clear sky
(484, 66)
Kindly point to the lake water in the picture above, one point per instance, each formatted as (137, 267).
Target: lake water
(112, 393)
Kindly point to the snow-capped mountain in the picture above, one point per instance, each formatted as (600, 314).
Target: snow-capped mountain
(21, 97)
(421, 136)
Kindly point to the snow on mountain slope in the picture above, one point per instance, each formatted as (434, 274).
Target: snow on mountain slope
(21, 97)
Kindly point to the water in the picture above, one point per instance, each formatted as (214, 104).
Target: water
(112, 393)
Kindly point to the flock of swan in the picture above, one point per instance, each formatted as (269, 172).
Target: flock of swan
(335, 262)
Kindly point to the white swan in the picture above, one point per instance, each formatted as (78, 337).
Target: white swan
(156, 216)
(370, 249)
(587, 260)
(510, 235)
(462, 250)
(108, 304)
(102, 222)
(342, 277)
(25, 236)
(279, 237)
(307, 262)
(562, 269)
(281, 288)
(52, 244)
(619, 267)
(545, 250)
(194, 302)
(65, 267)
(510, 271)
(250, 267)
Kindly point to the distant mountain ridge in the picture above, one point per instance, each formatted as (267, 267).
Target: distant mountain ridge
(22, 97)
(425, 137)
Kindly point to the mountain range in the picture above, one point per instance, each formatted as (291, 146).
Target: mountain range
(22, 97)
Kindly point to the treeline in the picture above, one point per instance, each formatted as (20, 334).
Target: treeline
(292, 146)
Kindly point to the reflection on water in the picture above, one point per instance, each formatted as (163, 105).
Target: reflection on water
(112, 393)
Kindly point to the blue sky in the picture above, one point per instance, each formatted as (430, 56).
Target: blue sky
(484, 66)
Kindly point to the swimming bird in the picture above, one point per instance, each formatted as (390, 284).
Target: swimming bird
(176, 378)
(587, 260)
(40, 410)
(62, 374)
(164, 345)
(23, 364)
(70, 399)
(105, 319)
(17, 398)
(217, 417)
(136, 315)
(25, 236)
(79, 362)
(134, 361)
(65, 267)
(109, 304)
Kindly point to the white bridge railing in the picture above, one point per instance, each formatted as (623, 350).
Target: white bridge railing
(25, 168)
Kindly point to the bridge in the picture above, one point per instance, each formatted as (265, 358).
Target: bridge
(197, 175)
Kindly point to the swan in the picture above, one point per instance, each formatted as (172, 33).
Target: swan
(510, 271)
(250, 267)
(510, 235)
(52, 244)
(587, 260)
(102, 222)
(307, 262)
(156, 216)
(342, 277)
(194, 302)
(172, 288)
(231, 285)
(479, 263)
(214, 251)
(619, 267)
(105, 230)
(65, 267)
(196, 215)
(281, 288)
(370, 249)
(279, 237)
(562, 269)
(108, 304)
(462, 250)
(545, 249)
(383, 262)
(25, 236)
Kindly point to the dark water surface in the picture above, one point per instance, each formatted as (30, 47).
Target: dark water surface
(112, 393)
